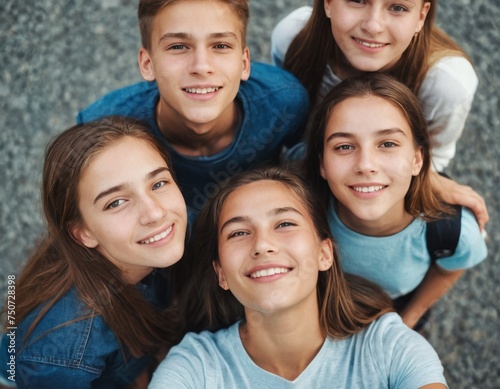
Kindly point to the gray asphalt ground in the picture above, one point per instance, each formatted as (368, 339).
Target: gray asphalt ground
(58, 56)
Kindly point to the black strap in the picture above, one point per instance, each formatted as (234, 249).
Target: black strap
(443, 235)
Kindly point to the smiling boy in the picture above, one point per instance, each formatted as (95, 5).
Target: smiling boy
(216, 112)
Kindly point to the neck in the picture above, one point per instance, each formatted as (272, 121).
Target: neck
(283, 344)
(387, 225)
(198, 139)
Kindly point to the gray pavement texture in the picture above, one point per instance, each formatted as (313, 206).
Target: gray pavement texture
(58, 56)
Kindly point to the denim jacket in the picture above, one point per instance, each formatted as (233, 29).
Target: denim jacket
(83, 354)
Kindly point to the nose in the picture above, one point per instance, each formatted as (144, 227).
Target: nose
(150, 210)
(373, 21)
(201, 61)
(263, 245)
(366, 162)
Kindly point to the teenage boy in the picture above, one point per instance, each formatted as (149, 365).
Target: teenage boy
(216, 117)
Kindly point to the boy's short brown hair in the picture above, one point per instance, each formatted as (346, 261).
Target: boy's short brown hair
(148, 9)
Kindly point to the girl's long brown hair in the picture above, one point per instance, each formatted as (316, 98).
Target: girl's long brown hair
(420, 200)
(60, 262)
(347, 303)
(308, 63)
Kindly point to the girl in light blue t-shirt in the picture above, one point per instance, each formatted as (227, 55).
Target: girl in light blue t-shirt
(369, 156)
(266, 283)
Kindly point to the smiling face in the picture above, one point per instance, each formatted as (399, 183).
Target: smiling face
(269, 251)
(132, 211)
(198, 59)
(369, 160)
(374, 34)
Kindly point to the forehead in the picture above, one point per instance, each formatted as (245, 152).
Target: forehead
(194, 16)
(123, 157)
(258, 198)
(363, 112)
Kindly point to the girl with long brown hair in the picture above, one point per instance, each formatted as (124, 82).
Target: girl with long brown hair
(336, 39)
(90, 302)
(267, 279)
(369, 158)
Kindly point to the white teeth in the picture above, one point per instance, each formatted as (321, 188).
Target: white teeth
(157, 237)
(269, 272)
(367, 189)
(201, 91)
(370, 45)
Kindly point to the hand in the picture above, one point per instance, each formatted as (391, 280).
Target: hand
(453, 193)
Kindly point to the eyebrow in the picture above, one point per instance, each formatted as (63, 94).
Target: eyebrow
(183, 35)
(117, 188)
(246, 219)
(388, 131)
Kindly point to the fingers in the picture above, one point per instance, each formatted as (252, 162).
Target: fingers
(454, 193)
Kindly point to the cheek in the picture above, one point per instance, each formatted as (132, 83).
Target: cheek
(402, 168)
(334, 169)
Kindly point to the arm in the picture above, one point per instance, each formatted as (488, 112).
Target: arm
(435, 284)
(453, 193)
(433, 386)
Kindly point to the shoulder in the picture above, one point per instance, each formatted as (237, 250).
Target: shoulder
(451, 77)
(270, 88)
(267, 79)
(136, 100)
(286, 30)
(67, 327)
(471, 248)
(198, 359)
(409, 360)
(70, 343)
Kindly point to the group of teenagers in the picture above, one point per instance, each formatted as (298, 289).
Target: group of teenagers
(298, 195)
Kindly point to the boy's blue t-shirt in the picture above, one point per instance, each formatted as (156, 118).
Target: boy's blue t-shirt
(274, 107)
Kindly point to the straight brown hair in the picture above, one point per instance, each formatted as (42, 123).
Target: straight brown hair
(60, 262)
(347, 303)
(421, 199)
(308, 63)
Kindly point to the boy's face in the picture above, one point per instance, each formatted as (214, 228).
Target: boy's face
(198, 60)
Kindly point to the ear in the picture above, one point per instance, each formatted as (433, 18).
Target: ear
(423, 14)
(84, 236)
(220, 275)
(146, 65)
(326, 4)
(322, 168)
(418, 161)
(326, 257)
(245, 73)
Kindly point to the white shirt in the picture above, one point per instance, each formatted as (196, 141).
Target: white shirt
(446, 93)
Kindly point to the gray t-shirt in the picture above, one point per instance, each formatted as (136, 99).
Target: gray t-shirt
(386, 354)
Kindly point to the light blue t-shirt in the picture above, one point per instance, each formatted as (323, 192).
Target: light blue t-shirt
(399, 262)
(386, 354)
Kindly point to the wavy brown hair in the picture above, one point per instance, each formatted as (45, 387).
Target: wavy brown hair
(347, 303)
(420, 200)
(60, 262)
(428, 46)
(149, 9)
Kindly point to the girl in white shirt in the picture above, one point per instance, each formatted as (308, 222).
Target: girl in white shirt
(337, 39)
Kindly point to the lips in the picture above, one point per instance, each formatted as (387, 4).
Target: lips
(157, 237)
(368, 189)
(371, 45)
(269, 272)
(201, 91)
